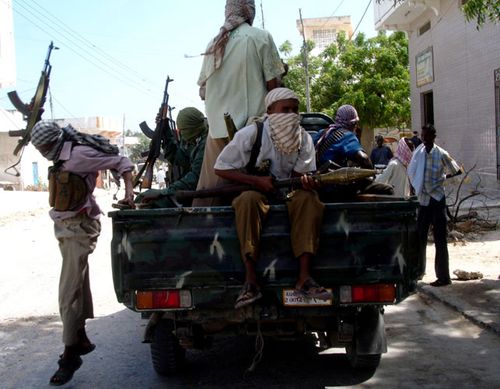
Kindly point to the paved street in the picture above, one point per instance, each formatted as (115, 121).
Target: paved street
(430, 344)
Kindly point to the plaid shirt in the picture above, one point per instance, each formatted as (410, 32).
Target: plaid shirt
(437, 162)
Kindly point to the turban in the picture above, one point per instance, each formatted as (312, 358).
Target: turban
(44, 133)
(237, 12)
(403, 152)
(278, 94)
(191, 123)
(346, 117)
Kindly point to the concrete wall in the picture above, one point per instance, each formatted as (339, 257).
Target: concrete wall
(463, 87)
(464, 61)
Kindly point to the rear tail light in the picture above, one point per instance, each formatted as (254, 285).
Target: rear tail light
(163, 299)
(376, 293)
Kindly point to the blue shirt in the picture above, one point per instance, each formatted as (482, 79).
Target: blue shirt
(341, 150)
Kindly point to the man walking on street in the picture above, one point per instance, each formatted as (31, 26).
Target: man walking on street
(77, 158)
(427, 172)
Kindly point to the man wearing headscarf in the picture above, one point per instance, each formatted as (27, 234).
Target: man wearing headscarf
(395, 172)
(288, 150)
(240, 65)
(76, 226)
(338, 143)
(188, 156)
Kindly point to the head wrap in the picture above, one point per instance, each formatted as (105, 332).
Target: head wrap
(277, 94)
(403, 152)
(191, 123)
(44, 133)
(237, 12)
(346, 117)
(284, 128)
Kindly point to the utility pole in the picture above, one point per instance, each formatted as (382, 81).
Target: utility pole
(306, 65)
(262, 14)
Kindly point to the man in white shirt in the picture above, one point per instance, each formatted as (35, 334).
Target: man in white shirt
(288, 150)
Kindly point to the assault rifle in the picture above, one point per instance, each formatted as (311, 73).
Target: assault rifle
(33, 111)
(158, 137)
(342, 176)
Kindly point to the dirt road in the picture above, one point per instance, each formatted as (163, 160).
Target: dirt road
(430, 345)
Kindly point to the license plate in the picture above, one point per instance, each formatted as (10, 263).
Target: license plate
(292, 298)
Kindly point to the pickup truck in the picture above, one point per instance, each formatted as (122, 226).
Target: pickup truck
(183, 265)
(181, 268)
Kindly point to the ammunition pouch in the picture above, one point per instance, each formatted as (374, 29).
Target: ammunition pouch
(67, 191)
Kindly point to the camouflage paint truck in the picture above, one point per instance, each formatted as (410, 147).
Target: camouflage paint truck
(182, 267)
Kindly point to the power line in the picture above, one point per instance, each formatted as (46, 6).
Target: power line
(362, 17)
(89, 57)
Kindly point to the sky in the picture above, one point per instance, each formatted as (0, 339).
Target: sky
(115, 55)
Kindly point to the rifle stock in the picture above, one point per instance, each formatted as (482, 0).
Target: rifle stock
(342, 176)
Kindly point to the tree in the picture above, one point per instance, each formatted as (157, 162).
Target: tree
(370, 74)
(135, 152)
(481, 11)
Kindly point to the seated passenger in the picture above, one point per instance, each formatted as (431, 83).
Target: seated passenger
(395, 172)
(193, 130)
(288, 150)
(339, 143)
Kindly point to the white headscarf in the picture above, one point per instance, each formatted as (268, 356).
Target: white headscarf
(237, 13)
(284, 128)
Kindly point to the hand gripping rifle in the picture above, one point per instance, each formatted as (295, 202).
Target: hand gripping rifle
(342, 176)
(33, 111)
(162, 130)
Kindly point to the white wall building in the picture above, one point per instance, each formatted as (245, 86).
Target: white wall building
(323, 31)
(455, 78)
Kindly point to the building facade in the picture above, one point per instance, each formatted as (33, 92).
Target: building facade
(455, 79)
(323, 31)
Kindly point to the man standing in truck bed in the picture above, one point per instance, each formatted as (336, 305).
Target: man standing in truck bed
(287, 150)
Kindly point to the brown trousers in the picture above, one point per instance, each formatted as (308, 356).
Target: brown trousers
(77, 238)
(305, 212)
(208, 178)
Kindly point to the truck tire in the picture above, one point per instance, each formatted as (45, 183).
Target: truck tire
(166, 353)
(362, 362)
(369, 341)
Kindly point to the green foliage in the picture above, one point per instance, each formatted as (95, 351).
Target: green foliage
(481, 11)
(136, 150)
(286, 48)
(370, 74)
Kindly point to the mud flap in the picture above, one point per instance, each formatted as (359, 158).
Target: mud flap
(370, 334)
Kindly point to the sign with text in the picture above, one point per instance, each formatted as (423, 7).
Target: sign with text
(425, 67)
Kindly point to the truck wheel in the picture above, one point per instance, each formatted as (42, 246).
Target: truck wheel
(361, 361)
(166, 353)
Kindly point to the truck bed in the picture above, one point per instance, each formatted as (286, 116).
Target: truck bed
(198, 249)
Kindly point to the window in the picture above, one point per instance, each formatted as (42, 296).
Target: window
(424, 28)
(324, 37)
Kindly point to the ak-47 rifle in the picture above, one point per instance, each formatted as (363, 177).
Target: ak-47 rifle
(33, 111)
(158, 136)
(342, 176)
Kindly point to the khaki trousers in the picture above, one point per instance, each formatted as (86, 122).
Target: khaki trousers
(208, 178)
(77, 238)
(305, 212)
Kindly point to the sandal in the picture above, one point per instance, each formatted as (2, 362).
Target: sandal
(311, 289)
(67, 367)
(249, 294)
